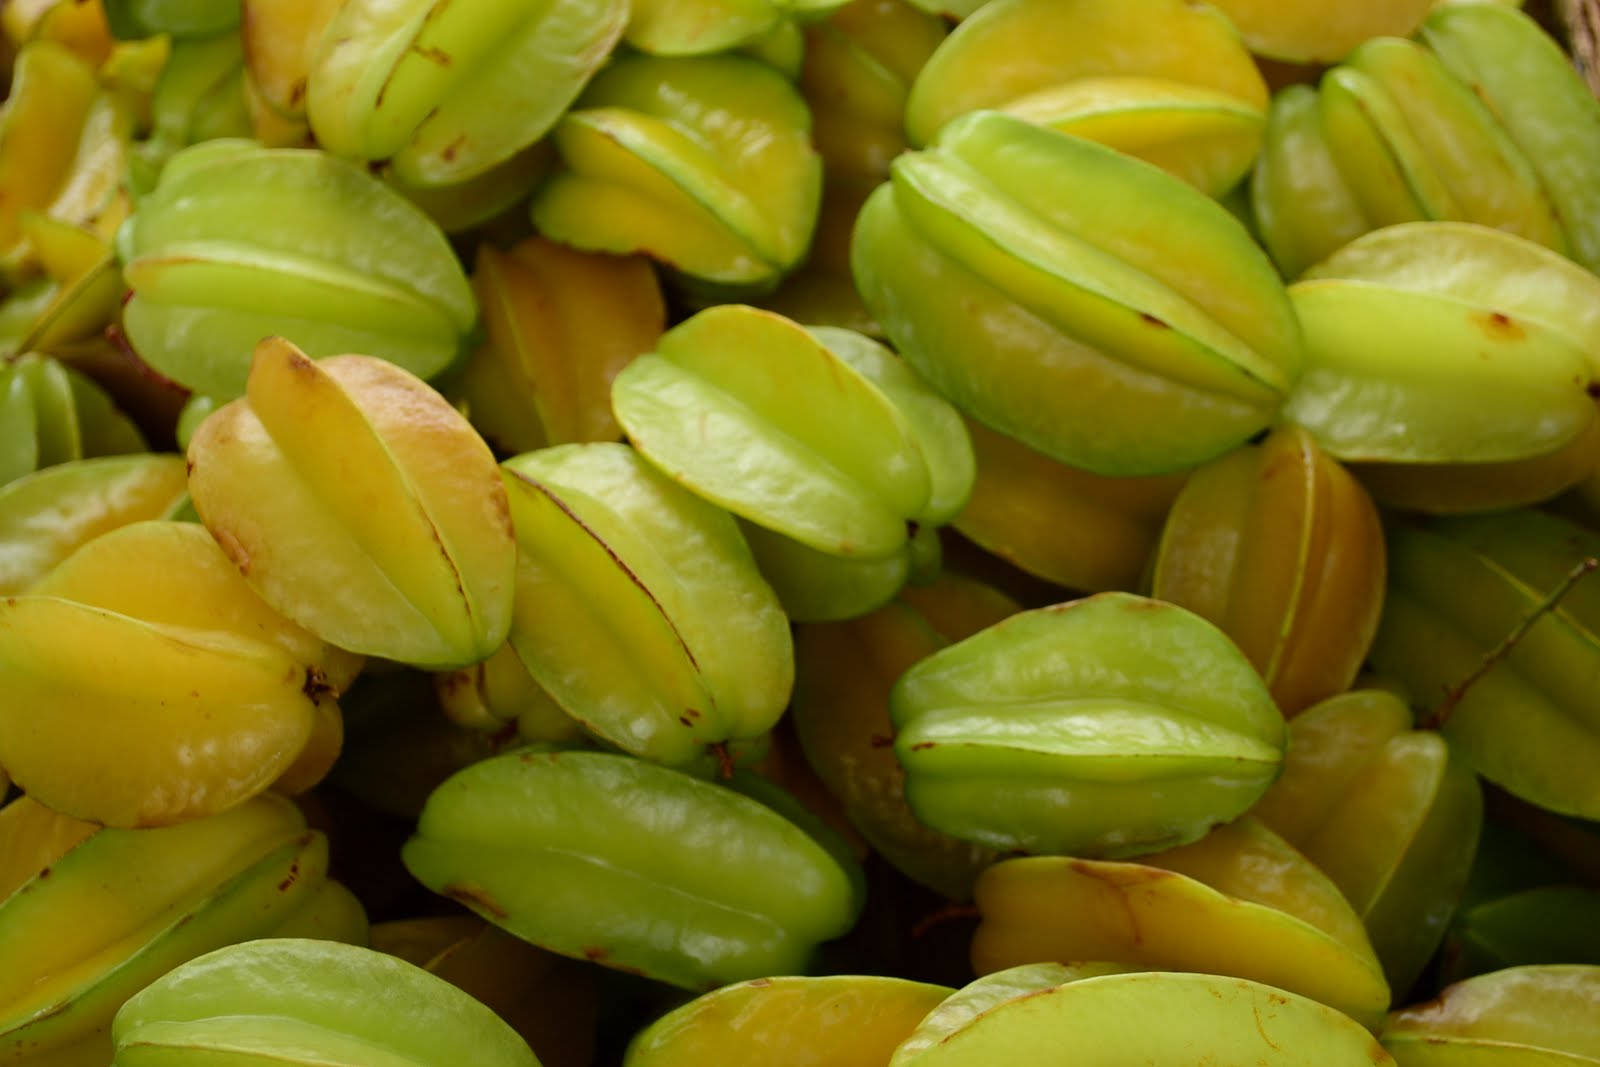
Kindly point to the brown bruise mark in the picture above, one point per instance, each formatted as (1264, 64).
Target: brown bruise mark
(922, 745)
(316, 685)
(449, 151)
(1499, 326)
(297, 92)
(759, 983)
(1120, 878)
(595, 954)
(291, 878)
(433, 54)
(476, 899)
(1255, 1012)
(1146, 317)
(233, 549)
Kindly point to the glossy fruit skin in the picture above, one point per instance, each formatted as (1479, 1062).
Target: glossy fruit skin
(1391, 814)
(93, 915)
(1279, 546)
(1458, 589)
(279, 997)
(564, 849)
(351, 473)
(214, 267)
(626, 586)
(1240, 901)
(1159, 1017)
(1081, 338)
(1076, 730)
(1535, 1014)
(850, 1020)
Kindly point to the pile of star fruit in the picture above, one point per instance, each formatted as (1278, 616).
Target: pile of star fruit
(890, 533)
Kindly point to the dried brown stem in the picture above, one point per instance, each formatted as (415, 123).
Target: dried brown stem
(1452, 697)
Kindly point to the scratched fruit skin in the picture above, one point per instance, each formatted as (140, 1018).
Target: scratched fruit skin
(443, 92)
(1458, 588)
(789, 1021)
(627, 587)
(1077, 730)
(1282, 548)
(349, 473)
(190, 659)
(1240, 901)
(90, 916)
(1012, 266)
(1521, 1015)
(1389, 813)
(565, 849)
(289, 1000)
(1157, 1017)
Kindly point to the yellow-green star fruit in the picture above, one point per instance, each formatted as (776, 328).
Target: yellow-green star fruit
(191, 660)
(823, 437)
(1389, 813)
(1165, 81)
(565, 849)
(1320, 31)
(292, 1000)
(1077, 729)
(789, 1021)
(1506, 674)
(238, 242)
(360, 504)
(50, 414)
(1074, 298)
(1532, 1015)
(700, 27)
(92, 915)
(442, 93)
(1241, 901)
(703, 163)
(1532, 89)
(627, 587)
(1452, 361)
(1157, 1017)
(46, 515)
(1282, 548)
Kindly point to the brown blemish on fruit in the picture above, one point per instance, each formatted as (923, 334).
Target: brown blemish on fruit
(684, 720)
(759, 983)
(1262, 1030)
(450, 150)
(291, 878)
(433, 54)
(1499, 326)
(693, 713)
(595, 953)
(1120, 879)
(920, 745)
(316, 685)
(476, 899)
(233, 550)
(1146, 317)
(45, 873)
(297, 92)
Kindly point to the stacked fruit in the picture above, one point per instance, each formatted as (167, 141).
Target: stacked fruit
(714, 488)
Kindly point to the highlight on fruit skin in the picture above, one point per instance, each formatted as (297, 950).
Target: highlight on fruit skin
(282, 998)
(1541, 1013)
(349, 473)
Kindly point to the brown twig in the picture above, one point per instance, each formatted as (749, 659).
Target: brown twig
(1452, 697)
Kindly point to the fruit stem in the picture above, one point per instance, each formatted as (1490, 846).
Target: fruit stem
(1452, 696)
